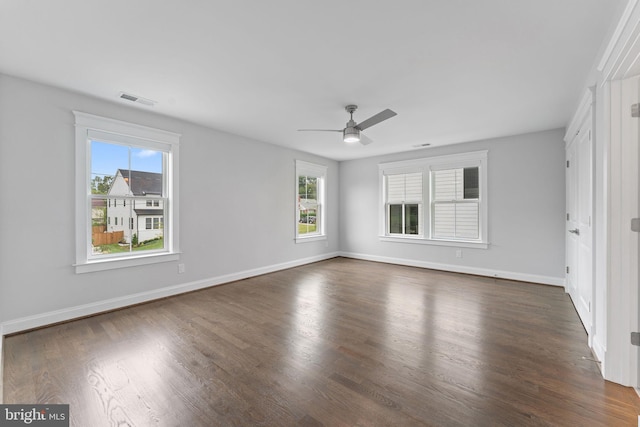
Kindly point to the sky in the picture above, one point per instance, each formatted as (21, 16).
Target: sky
(107, 158)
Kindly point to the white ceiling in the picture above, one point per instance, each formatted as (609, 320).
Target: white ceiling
(454, 70)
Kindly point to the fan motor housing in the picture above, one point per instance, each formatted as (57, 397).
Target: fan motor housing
(351, 134)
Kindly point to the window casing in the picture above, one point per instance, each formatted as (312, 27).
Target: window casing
(114, 179)
(438, 200)
(310, 202)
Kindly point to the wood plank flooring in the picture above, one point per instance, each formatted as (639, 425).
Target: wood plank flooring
(336, 343)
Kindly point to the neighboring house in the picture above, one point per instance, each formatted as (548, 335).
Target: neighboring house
(145, 217)
(308, 207)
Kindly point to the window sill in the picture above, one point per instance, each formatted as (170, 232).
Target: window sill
(423, 241)
(114, 263)
(310, 238)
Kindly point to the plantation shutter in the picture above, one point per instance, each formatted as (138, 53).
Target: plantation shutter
(456, 203)
(406, 187)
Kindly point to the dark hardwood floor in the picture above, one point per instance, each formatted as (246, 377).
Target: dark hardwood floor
(335, 343)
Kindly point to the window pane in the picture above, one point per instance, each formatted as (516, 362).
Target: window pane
(109, 231)
(411, 219)
(308, 207)
(395, 219)
(471, 183)
(146, 160)
(105, 160)
(121, 170)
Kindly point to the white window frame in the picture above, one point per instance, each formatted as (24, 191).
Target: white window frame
(425, 166)
(90, 126)
(319, 171)
(387, 204)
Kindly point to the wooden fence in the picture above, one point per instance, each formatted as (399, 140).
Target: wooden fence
(102, 238)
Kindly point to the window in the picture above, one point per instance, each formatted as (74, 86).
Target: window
(310, 201)
(124, 163)
(404, 203)
(456, 203)
(438, 200)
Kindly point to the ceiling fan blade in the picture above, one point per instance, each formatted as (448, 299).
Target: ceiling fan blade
(375, 119)
(319, 130)
(364, 139)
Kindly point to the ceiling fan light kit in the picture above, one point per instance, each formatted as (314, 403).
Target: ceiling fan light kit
(351, 132)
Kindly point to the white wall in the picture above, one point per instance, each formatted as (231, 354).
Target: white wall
(237, 210)
(526, 186)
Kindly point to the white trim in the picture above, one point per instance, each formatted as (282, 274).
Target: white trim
(312, 238)
(599, 352)
(1, 365)
(608, 60)
(498, 274)
(579, 116)
(436, 160)
(435, 242)
(44, 319)
(89, 125)
(113, 263)
(118, 127)
(624, 19)
(311, 169)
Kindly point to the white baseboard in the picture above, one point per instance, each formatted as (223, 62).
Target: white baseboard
(49, 318)
(1, 366)
(598, 349)
(499, 274)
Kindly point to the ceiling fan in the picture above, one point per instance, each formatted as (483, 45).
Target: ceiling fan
(351, 132)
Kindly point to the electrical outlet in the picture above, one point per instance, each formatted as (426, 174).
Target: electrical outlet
(458, 253)
(180, 268)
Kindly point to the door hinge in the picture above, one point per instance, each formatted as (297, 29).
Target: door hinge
(567, 163)
(635, 338)
(567, 217)
(635, 110)
(567, 269)
(635, 225)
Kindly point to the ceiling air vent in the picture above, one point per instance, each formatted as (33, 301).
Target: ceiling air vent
(138, 99)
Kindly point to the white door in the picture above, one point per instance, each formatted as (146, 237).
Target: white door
(579, 222)
(572, 219)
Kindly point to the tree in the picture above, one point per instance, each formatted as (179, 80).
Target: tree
(101, 185)
(308, 187)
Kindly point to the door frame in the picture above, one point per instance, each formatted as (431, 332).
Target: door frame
(618, 201)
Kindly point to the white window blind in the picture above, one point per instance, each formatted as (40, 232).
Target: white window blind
(406, 187)
(456, 203)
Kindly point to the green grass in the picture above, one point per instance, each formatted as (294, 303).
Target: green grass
(306, 228)
(116, 248)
